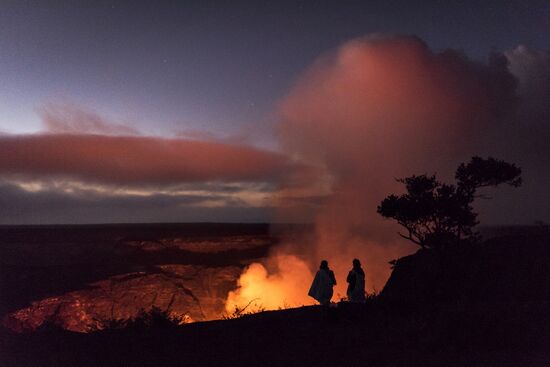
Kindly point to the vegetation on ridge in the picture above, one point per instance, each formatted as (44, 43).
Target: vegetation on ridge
(436, 214)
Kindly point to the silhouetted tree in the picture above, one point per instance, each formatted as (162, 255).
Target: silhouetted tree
(436, 214)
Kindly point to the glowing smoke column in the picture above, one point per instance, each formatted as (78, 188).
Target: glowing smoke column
(285, 285)
(381, 108)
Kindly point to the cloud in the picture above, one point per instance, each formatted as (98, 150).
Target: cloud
(49, 205)
(135, 160)
(529, 131)
(381, 96)
(532, 69)
(384, 107)
(84, 168)
(69, 119)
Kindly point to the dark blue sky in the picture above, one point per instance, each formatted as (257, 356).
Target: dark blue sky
(165, 66)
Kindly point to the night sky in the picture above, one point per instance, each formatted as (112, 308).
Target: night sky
(183, 111)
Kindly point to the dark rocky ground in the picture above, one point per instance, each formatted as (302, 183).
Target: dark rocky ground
(484, 305)
(375, 334)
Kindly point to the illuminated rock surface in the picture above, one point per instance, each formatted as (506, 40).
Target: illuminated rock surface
(194, 293)
(82, 277)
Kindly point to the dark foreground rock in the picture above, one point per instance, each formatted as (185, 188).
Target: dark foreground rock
(506, 268)
(375, 334)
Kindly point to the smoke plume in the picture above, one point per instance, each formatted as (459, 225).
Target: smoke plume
(377, 109)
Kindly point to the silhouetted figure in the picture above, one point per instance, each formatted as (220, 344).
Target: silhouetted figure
(321, 288)
(356, 283)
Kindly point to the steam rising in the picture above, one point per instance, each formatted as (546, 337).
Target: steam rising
(381, 107)
(259, 288)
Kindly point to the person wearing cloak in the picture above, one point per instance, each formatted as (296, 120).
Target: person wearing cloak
(321, 288)
(356, 283)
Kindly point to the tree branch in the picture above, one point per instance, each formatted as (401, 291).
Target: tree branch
(410, 238)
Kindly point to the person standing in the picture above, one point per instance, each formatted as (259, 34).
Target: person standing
(356, 283)
(321, 287)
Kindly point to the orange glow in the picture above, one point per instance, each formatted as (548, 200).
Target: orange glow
(284, 280)
(286, 286)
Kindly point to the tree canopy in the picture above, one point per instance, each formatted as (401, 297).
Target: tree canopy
(436, 214)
